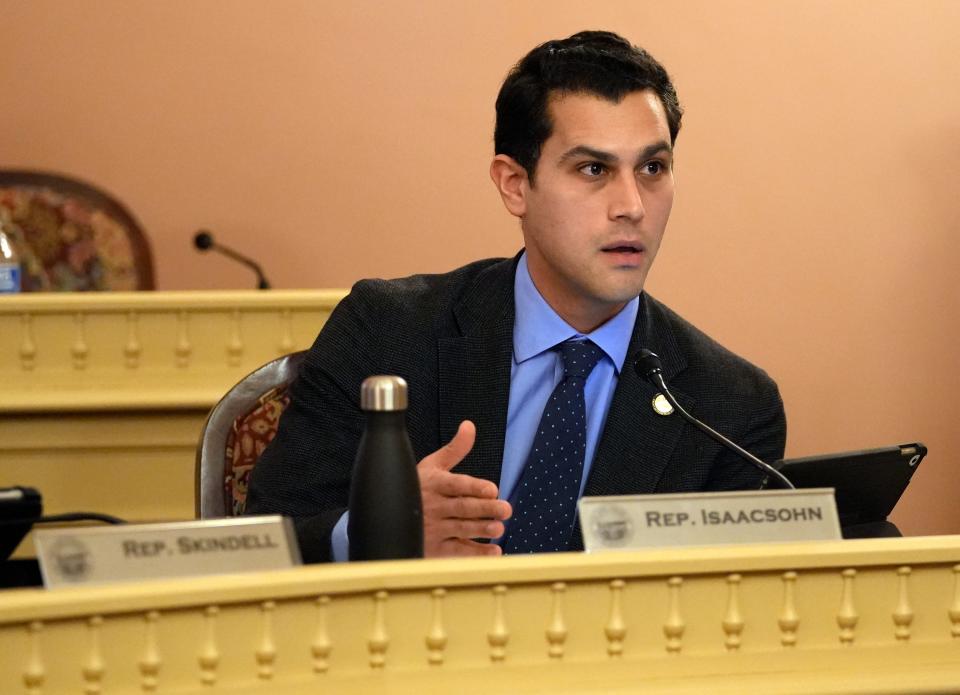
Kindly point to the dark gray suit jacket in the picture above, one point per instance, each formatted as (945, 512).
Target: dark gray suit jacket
(451, 336)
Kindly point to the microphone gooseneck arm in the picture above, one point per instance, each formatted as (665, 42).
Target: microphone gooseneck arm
(648, 366)
(203, 241)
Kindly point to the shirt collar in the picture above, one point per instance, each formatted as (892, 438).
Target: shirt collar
(537, 327)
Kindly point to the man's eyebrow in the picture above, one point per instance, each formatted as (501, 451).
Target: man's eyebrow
(655, 148)
(608, 158)
(584, 151)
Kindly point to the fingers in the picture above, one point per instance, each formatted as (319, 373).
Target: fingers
(448, 456)
(459, 485)
(459, 547)
(458, 508)
(469, 508)
(465, 529)
(434, 469)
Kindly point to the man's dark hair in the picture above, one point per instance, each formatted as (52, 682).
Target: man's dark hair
(590, 62)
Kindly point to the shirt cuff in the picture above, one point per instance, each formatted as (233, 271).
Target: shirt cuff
(339, 542)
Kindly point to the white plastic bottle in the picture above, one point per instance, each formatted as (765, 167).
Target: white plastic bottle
(9, 264)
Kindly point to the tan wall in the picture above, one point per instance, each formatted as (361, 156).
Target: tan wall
(816, 224)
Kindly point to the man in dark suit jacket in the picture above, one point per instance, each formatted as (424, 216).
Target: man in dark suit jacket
(584, 142)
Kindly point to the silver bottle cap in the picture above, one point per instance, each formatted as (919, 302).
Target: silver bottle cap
(383, 393)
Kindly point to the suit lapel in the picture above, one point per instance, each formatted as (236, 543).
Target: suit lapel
(474, 384)
(636, 443)
(474, 369)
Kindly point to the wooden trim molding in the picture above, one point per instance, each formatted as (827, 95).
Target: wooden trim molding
(865, 616)
(158, 350)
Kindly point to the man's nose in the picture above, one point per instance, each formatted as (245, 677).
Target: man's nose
(626, 202)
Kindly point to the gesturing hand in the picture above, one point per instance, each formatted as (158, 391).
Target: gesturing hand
(456, 507)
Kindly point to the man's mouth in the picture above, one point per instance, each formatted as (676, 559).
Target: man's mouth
(623, 247)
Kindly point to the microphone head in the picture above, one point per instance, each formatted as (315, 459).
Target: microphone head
(203, 240)
(647, 363)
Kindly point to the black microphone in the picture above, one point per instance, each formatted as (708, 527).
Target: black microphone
(203, 240)
(647, 365)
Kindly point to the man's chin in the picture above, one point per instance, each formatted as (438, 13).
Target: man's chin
(613, 302)
(621, 294)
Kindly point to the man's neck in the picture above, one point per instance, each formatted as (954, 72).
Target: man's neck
(584, 316)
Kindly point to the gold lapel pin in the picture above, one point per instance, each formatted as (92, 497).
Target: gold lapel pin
(661, 406)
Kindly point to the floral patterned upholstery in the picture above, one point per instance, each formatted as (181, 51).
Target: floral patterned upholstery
(246, 440)
(239, 427)
(72, 236)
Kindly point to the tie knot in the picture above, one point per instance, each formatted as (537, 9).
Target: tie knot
(579, 358)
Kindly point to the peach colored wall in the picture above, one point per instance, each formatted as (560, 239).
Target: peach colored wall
(816, 225)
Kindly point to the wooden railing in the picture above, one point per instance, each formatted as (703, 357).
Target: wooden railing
(122, 351)
(873, 616)
(103, 395)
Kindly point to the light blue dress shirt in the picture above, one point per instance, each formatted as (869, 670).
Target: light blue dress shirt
(537, 369)
(535, 372)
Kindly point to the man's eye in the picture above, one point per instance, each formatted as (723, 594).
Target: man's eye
(653, 168)
(593, 169)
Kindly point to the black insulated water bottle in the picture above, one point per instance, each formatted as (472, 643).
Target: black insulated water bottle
(386, 512)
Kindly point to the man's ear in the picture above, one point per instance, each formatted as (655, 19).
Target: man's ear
(511, 181)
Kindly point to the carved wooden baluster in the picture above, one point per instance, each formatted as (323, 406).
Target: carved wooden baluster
(674, 627)
(35, 674)
(80, 350)
(267, 651)
(616, 629)
(903, 615)
(557, 630)
(847, 617)
(94, 669)
(150, 661)
(183, 349)
(28, 346)
(437, 637)
(498, 636)
(133, 348)
(954, 612)
(286, 332)
(322, 646)
(733, 621)
(379, 639)
(235, 344)
(209, 654)
(789, 620)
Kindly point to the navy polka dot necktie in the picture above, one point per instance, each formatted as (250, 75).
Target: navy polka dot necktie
(545, 501)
